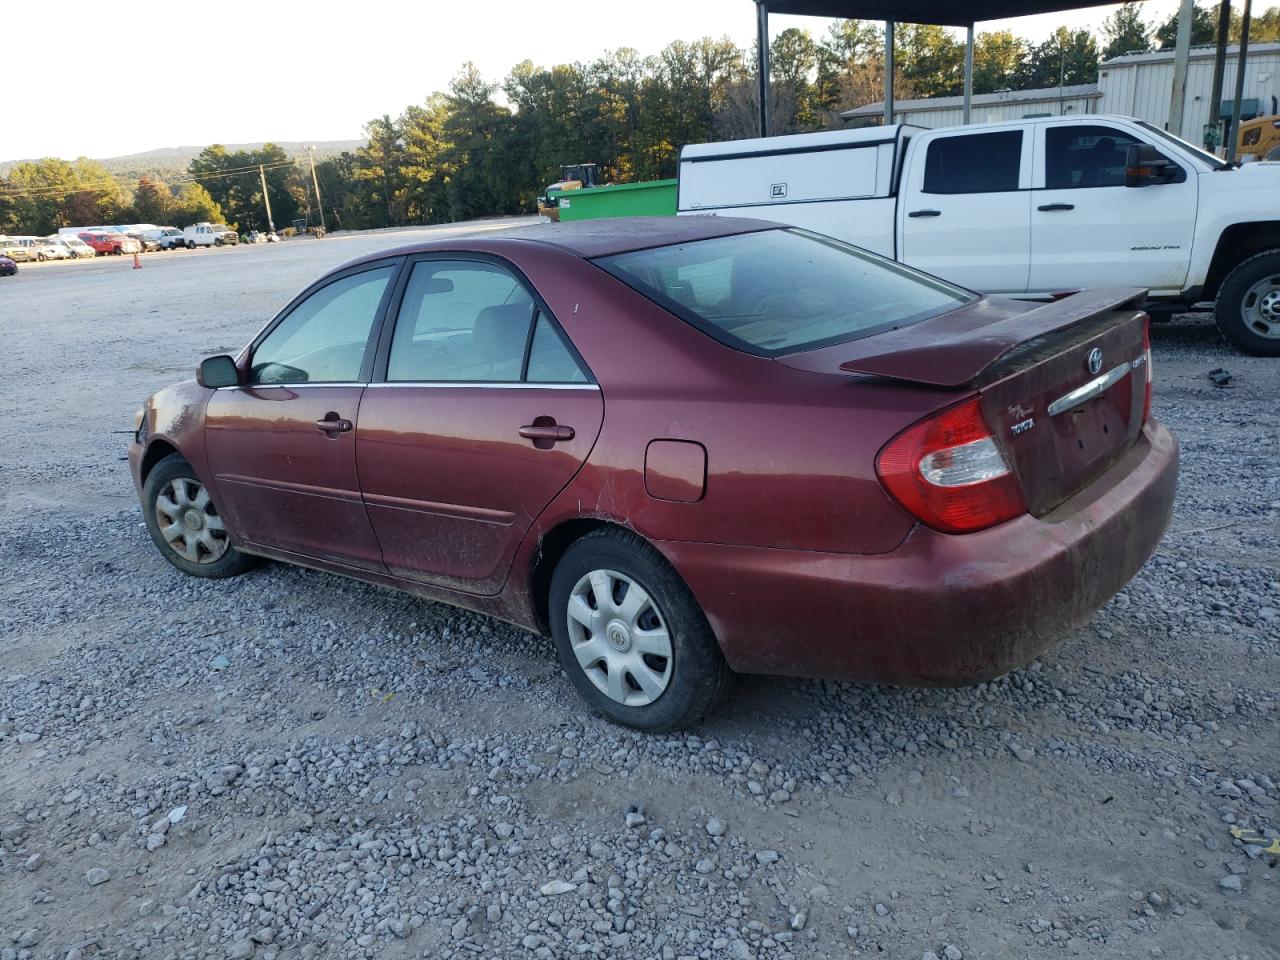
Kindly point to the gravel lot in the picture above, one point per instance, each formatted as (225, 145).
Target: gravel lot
(295, 765)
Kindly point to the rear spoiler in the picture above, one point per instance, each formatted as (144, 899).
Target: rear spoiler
(955, 349)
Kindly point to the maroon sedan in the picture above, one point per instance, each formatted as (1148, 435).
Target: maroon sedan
(682, 447)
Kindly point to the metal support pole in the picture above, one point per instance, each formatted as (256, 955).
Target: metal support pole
(762, 63)
(1181, 57)
(311, 152)
(1234, 132)
(1219, 68)
(968, 73)
(888, 72)
(266, 199)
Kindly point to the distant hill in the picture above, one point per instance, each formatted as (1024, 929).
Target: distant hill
(174, 159)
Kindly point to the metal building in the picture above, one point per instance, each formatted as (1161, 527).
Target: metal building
(1136, 85)
(1070, 100)
(1139, 85)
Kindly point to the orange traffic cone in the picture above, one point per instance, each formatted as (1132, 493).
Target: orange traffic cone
(137, 262)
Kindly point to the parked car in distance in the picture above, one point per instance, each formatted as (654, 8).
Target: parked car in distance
(111, 243)
(578, 427)
(167, 238)
(53, 249)
(1028, 207)
(199, 235)
(224, 236)
(7, 266)
(74, 246)
(23, 249)
(148, 242)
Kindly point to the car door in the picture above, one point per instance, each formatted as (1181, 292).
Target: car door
(1089, 230)
(483, 412)
(282, 447)
(965, 209)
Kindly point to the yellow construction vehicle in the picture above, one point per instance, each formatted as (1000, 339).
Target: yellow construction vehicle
(574, 176)
(1259, 139)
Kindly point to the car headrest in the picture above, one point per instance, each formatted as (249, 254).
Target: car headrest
(500, 331)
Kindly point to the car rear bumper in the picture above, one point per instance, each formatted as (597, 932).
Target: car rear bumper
(940, 609)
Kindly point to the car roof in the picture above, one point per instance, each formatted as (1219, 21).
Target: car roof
(591, 238)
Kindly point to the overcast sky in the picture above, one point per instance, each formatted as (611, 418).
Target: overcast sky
(106, 79)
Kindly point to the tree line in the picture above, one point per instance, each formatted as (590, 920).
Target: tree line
(485, 148)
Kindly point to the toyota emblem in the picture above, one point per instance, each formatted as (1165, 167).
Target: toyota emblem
(1094, 360)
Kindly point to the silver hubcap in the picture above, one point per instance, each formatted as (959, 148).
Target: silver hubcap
(620, 638)
(189, 523)
(1260, 309)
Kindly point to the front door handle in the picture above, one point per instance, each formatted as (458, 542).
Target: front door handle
(1057, 206)
(925, 213)
(332, 424)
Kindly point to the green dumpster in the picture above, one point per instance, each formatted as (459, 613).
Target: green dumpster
(654, 198)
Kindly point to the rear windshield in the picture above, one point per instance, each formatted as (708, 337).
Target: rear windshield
(783, 291)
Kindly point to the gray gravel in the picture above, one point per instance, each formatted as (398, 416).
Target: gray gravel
(295, 765)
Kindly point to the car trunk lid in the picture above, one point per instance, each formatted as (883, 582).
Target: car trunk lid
(1062, 385)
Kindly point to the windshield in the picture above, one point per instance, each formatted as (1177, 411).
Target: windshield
(781, 291)
(1204, 156)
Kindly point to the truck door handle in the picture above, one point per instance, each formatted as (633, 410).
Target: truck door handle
(332, 424)
(1057, 206)
(925, 213)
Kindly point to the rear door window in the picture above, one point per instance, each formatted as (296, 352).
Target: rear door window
(461, 321)
(974, 163)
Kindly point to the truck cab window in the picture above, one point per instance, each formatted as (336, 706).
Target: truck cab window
(974, 163)
(1085, 156)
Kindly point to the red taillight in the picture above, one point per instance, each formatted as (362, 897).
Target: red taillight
(1146, 362)
(948, 472)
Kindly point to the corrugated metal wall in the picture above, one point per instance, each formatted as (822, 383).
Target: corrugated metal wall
(1013, 110)
(1144, 89)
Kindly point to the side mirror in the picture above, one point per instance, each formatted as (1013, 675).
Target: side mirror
(219, 371)
(1145, 165)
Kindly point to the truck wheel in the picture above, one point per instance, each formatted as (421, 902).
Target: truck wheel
(1248, 307)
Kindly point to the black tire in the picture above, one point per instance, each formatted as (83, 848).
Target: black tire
(231, 563)
(699, 676)
(1229, 311)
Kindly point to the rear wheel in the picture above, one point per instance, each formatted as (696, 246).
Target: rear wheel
(185, 524)
(631, 636)
(1248, 306)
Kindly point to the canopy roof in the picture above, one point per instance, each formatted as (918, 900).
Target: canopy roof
(947, 13)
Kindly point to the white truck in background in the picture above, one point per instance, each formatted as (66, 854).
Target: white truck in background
(1027, 208)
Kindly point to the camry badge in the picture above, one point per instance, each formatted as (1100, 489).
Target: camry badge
(1094, 360)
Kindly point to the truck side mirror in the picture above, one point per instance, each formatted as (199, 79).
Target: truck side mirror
(1145, 165)
(219, 371)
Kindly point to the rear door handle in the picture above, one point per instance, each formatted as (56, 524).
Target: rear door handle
(332, 424)
(553, 432)
(1057, 206)
(925, 213)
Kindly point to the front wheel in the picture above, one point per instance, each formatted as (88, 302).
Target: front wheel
(1248, 306)
(631, 636)
(185, 524)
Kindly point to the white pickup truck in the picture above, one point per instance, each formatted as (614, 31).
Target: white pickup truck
(1030, 208)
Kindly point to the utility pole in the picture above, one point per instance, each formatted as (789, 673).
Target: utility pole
(1219, 68)
(266, 199)
(1241, 55)
(315, 182)
(1181, 58)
